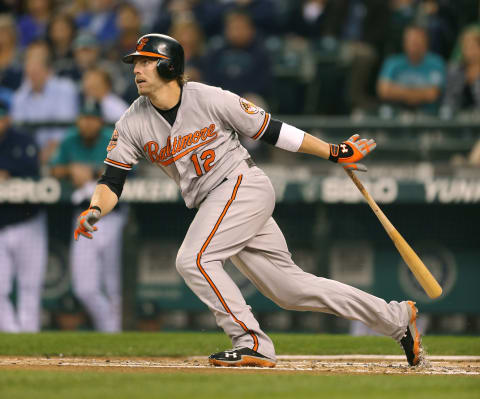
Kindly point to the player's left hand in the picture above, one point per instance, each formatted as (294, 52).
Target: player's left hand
(349, 152)
(85, 223)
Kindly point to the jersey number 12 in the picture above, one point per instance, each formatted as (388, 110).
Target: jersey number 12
(208, 156)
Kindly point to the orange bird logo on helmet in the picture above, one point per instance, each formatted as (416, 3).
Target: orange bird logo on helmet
(142, 43)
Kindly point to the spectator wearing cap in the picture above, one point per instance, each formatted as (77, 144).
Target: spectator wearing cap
(97, 85)
(95, 266)
(81, 153)
(23, 235)
(87, 55)
(414, 80)
(44, 97)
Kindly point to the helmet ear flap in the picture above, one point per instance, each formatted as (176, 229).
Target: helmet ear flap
(165, 68)
(159, 70)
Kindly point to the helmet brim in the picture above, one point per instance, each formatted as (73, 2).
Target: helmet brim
(128, 59)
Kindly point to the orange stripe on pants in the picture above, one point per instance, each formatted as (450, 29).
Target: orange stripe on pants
(204, 273)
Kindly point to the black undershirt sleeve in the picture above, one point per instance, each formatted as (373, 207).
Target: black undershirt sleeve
(273, 131)
(114, 178)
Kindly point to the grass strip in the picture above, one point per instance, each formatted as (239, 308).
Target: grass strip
(201, 343)
(22, 384)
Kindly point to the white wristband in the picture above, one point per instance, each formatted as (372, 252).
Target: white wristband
(290, 138)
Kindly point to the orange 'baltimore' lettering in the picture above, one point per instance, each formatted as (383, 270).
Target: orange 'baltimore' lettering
(187, 140)
(181, 146)
(211, 130)
(196, 136)
(169, 148)
(151, 149)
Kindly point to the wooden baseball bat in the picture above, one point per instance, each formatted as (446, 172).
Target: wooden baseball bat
(419, 270)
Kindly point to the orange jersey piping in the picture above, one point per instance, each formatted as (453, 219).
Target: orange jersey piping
(262, 128)
(207, 277)
(118, 164)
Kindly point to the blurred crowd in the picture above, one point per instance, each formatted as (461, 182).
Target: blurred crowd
(323, 57)
(62, 79)
(327, 57)
(311, 48)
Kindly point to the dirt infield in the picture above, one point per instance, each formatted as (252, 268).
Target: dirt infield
(345, 364)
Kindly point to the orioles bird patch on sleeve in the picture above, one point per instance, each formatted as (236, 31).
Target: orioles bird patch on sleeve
(113, 141)
(248, 107)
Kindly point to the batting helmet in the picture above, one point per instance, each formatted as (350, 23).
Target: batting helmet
(169, 52)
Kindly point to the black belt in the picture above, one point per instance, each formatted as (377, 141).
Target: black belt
(250, 163)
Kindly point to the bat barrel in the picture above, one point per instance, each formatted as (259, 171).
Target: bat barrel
(413, 261)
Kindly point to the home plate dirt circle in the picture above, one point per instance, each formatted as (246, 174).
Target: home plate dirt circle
(344, 364)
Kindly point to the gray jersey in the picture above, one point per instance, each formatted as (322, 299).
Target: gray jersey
(201, 147)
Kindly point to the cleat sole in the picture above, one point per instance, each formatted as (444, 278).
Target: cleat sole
(245, 361)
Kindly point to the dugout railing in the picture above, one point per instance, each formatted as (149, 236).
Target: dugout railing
(403, 137)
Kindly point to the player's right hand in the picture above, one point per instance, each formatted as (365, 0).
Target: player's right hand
(85, 223)
(349, 152)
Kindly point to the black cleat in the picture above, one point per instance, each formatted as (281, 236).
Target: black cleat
(411, 341)
(242, 357)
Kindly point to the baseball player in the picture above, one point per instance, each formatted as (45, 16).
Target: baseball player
(190, 131)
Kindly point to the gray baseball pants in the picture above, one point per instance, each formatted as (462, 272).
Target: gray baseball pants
(235, 221)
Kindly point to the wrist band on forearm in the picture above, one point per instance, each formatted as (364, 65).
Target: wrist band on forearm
(333, 153)
(96, 207)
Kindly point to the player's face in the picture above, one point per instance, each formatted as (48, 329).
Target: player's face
(146, 75)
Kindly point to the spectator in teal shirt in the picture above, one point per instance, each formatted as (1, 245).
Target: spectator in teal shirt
(81, 153)
(413, 81)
